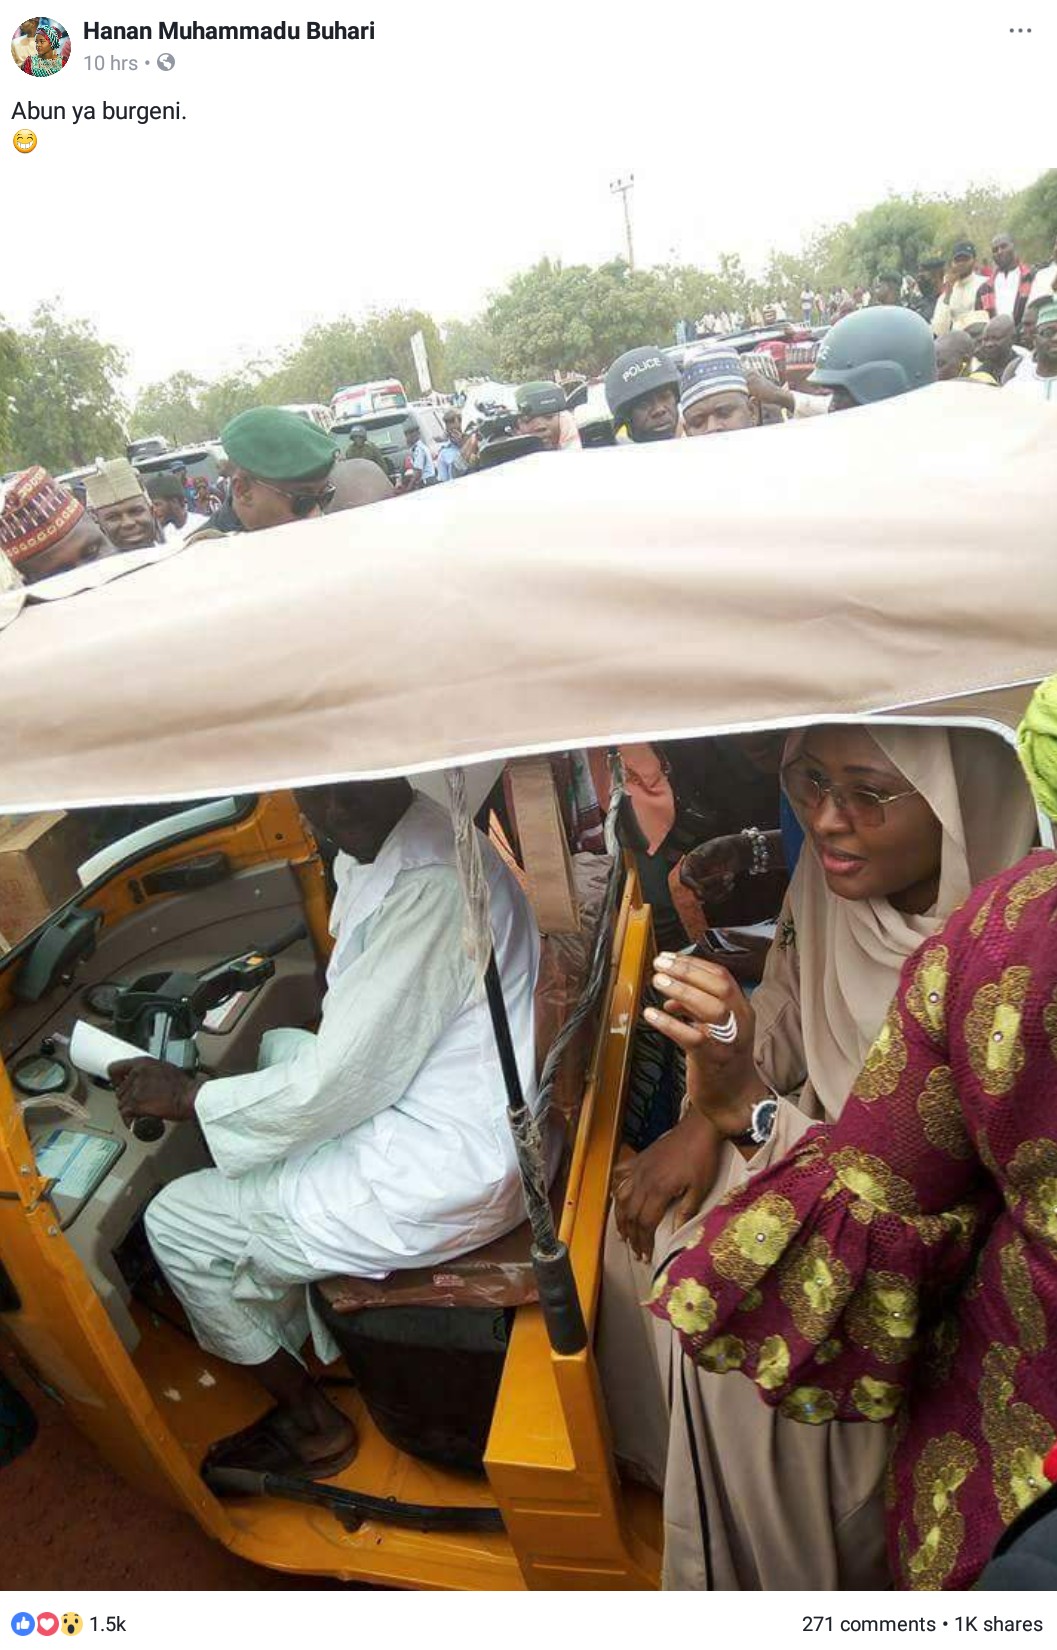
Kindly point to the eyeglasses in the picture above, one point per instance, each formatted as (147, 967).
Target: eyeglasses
(863, 806)
(302, 504)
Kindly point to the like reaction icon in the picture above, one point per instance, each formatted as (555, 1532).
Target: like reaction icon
(47, 1623)
(22, 1624)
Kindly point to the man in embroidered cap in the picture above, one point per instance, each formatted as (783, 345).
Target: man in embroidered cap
(121, 507)
(1037, 373)
(44, 529)
(279, 468)
(714, 395)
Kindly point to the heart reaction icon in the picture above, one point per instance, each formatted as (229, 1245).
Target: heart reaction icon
(47, 1624)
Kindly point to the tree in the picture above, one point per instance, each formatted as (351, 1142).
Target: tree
(896, 235)
(12, 371)
(555, 318)
(172, 409)
(67, 406)
(1033, 219)
(470, 349)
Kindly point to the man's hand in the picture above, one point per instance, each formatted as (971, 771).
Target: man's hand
(766, 393)
(680, 1166)
(153, 1088)
(711, 870)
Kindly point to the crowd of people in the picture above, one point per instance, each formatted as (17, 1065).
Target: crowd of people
(994, 326)
(852, 1212)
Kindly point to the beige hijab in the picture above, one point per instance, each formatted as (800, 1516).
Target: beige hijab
(848, 953)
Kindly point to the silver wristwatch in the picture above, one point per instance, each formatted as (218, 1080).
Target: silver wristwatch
(761, 1123)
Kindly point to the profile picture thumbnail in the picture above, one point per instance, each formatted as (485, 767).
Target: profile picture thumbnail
(40, 46)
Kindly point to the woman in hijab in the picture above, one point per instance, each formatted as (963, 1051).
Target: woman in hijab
(900, 1263)
(901, 823)
(47, 56)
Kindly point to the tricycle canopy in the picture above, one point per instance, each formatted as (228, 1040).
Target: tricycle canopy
(900, 555)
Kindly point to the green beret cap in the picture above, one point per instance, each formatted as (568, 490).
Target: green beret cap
(539, 399)
(277, 445)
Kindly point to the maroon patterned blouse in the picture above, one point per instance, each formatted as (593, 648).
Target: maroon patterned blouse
(901, 1265)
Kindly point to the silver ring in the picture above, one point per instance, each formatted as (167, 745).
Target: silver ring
(727, 1031)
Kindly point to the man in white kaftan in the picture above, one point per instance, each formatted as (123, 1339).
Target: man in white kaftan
(379, 1143)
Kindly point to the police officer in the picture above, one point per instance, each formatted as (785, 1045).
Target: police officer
(280, 468)
(874, 354)
(642, 388)
(540, 406)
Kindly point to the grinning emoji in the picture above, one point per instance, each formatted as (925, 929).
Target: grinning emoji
(25, 141)
(71, 1623)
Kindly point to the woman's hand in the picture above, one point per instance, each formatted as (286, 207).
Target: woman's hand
(680, 1166)
(711, 870)
(721, 1077)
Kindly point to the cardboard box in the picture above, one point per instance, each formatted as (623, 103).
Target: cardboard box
(39, 856)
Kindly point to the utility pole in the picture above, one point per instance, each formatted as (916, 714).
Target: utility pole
(623, 187)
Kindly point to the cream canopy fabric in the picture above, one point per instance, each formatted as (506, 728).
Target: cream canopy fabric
(893, 555)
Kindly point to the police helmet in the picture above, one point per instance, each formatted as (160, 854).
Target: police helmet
(540, 399)
(638, 372)
(876, 353)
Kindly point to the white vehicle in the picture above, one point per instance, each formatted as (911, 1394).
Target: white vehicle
(357, 400)
(313, 413)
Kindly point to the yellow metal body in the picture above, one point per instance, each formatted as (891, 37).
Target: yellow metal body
(549, 1467)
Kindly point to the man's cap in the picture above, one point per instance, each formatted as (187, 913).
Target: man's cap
(276, 445)
(717, 373)
(112, 483)
(891, 276)
(165, 484)
(1046, 314)
(35, 513)
(934, 262)
(539, 399)
(963, 249)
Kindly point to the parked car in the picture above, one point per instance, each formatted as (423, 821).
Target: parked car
(204, 460)
(385, 430)
(357, 400)
(313, 413)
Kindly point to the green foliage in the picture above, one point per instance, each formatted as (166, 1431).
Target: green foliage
(1033, 220)
(470, 350)
(12, 372)
(64, 385)
(558, 318)
(172, 409)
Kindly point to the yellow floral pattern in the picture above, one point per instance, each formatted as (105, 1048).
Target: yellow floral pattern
(725, 1352)
(942, 1468)
(886, 1061)
(870, 1179)
(691, 1307)
(1049, 1023)
(1024, 1306)
(1032, 887)
(1017, 1436)
(992, 1030)
(942, 1120)
(814, 1285)
(809, 1403)
(1031, 1178)
(753, 1241)
(877, 1400)
(926, 997)
(979, 922)
(772, 1363)
(882, 1316)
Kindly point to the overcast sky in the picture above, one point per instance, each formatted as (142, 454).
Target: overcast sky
(469, 140)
